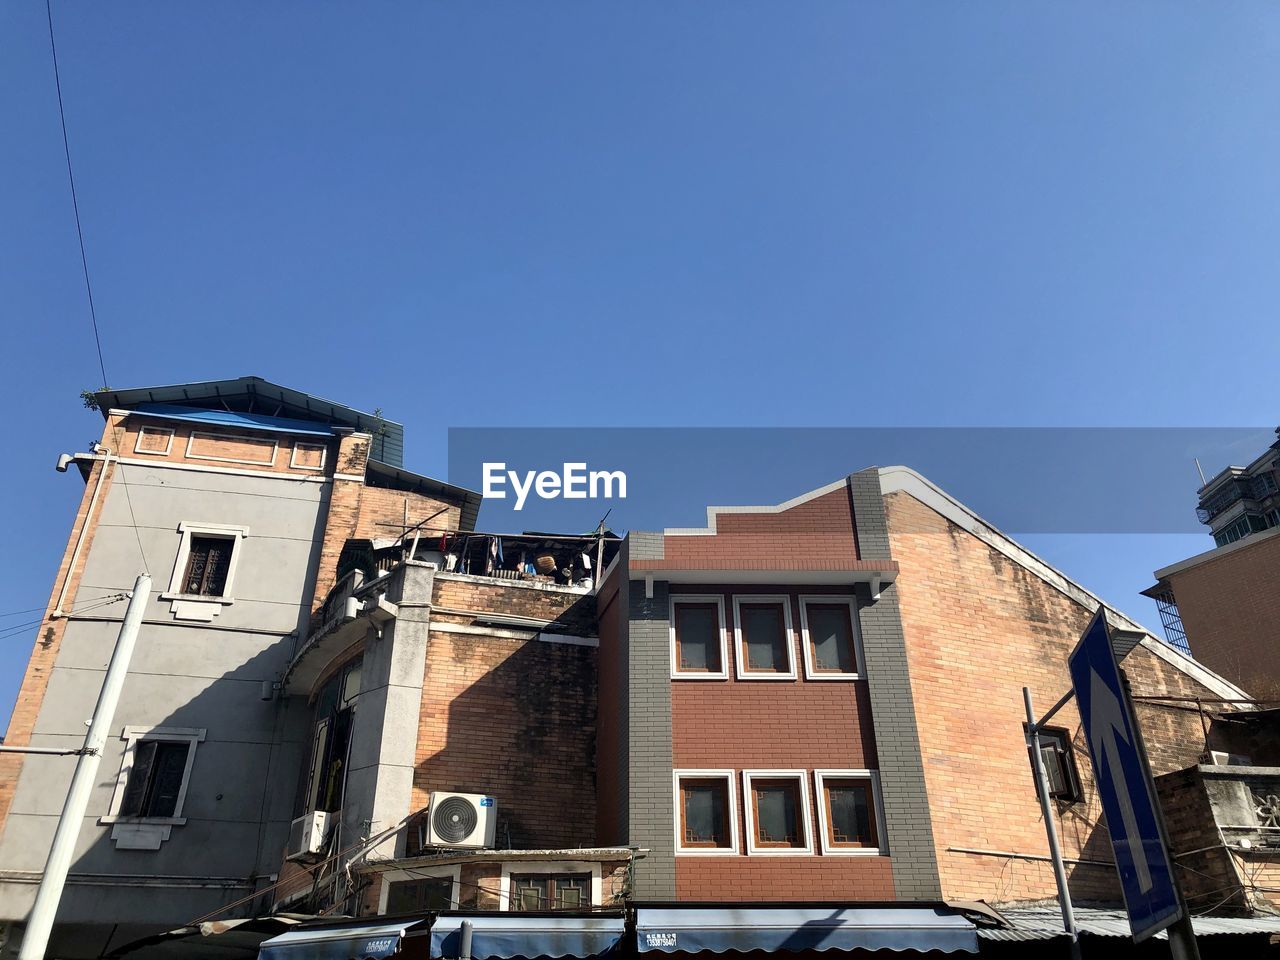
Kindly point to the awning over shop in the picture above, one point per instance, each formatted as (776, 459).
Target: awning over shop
(347, 942)
(503, 936)
(721, 929)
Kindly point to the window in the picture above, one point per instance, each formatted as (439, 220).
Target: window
(1273, 517)
(777, 806)
(829, 629)
(762, 627)
(204, 570)
(849, 812)
(159, 768)
(1059, 764)
(706, 812)
(331, 738)
(208, 561)
(550, 891)
(416, 891)
(417, 896)
(154, 772)
(698, 647)
(1238, 529)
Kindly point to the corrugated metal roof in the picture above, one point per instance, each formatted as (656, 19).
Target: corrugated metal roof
(255, 395)
(1045, 923)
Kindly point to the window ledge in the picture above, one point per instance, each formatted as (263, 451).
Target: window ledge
(691, 675)
(197, 598)
(145, 821)
(833, 676)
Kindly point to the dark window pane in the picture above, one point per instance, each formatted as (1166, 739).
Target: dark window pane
(831, 633)
(135, 791)
(529, 892)
(166, 779)
(850, 814)
(764, 636)
(415, 896)
(698, 636)
(155, 779)
(777, 813)
(705, 812)
(572, 892)
(208, 561)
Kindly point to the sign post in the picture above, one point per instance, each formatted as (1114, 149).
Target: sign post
(1128, 795)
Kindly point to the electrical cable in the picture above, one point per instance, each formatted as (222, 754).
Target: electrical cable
(75, 205)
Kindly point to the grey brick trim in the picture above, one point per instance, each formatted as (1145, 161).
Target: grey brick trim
(868, 515)
(902, 783)
(650, 815)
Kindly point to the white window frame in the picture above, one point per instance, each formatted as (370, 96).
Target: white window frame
(186, 529)
(811, 671)
(806, 819)
(453, 873)
(191, 440)
(137, 443)
(676, 672)
(543, 867)
(132, 736)
(730, 778)
(873, 776)
(297, 445)
(739, 654)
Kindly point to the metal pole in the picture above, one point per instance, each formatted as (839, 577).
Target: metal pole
(464, 938)
(40, 924)
(1050, 827)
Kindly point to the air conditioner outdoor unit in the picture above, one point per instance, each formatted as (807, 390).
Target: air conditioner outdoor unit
(461, 820)
(307, 835)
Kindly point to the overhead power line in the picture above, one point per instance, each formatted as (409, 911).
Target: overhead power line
(75, 205)
(84, 263)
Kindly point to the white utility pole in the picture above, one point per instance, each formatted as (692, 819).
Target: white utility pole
(40, 924)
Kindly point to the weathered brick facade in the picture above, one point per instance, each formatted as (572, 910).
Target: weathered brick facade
(509, 716)
(1229, 602)
(979, 627)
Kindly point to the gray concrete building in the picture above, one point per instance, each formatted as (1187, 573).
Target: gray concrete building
(239, 498)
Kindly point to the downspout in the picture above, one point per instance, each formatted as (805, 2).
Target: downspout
(58, 612)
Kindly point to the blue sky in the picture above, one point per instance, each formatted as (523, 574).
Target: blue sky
(695, 213)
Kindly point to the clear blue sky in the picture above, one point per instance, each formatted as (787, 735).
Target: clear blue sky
(846, 213)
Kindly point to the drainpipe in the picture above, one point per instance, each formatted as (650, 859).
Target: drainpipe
(464, 947)
(58, 612)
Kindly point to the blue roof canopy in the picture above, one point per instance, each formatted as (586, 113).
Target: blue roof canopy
(229, 418)
(505, 936)
(375, 940)
(742, 929)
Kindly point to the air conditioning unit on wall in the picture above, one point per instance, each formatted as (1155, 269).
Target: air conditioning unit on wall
(307, 835)
(460, 821)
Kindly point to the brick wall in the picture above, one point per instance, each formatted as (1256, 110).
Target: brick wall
(1230, 607)
(1209, 879)
(760, 725)
(978, 628)
(819, 528)
(213, 447)
(49, 633)
(513, 718)
(358, 511)
(612, 811)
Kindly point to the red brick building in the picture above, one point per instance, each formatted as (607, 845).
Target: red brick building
(1226, 604)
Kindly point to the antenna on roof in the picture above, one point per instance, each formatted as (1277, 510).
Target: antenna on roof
(1200, 470)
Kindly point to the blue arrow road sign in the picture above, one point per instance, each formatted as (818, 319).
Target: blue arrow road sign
(1123, 783)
